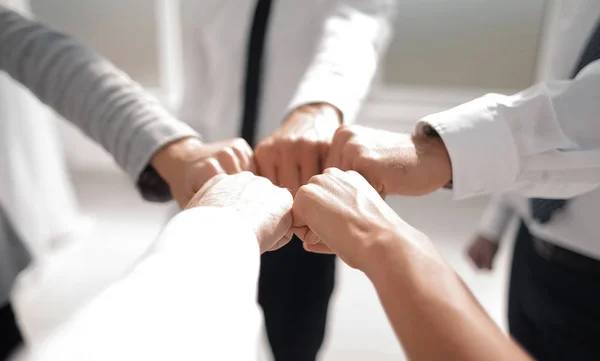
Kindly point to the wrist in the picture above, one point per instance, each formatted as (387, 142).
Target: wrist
(325, 111)
(432, 152)
(405, 259)
(170, 160)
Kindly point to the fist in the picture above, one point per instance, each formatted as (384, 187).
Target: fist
(265, 207)
(298, 149)
(339, 212)
(186, 165)
(393, 163)
(482, 252)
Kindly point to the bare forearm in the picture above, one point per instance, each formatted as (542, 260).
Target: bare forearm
(434, 315)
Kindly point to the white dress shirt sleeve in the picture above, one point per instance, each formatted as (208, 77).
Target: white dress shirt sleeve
(543, 141)
(191, 297)
(495, 218)
(355, 35)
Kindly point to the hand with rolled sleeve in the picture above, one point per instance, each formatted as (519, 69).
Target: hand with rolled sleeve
(298, 149)
(394, 163)
(267, 209)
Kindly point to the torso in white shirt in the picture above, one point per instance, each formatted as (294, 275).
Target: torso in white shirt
(576, 227)
(215, 36)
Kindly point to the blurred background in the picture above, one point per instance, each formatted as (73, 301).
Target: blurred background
(444, 53)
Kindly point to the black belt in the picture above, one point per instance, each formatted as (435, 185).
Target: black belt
(563, 256)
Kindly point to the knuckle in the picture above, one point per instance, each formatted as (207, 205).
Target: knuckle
(332, 171)
(263, 149)
(317, 179)
(306, 192)
(240, 144)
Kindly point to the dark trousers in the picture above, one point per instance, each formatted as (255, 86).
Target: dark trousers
(10, 337)
(294, 291)
(553, 309)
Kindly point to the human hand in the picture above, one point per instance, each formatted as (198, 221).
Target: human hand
(394, 163)
(188, 163)
(265, 207)
(482, 252)
(298, 149)
(339, 212)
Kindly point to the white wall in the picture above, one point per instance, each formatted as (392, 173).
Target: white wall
(465, 43)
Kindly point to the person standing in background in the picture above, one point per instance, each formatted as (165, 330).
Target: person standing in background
(283, 74)
(555, 276)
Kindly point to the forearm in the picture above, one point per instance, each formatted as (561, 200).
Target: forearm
(432, 312)
(355, 35)
(88, 91)
(543, 141)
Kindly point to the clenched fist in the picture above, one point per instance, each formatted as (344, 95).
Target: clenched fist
(298, 149)
(265, 207)
(394, 163)
(187, 164)
(482, 252)
(339, 212)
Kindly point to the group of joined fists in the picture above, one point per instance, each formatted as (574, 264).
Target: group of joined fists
(329, 192)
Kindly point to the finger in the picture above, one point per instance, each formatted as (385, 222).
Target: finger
(288, 174)
(282, 242)
(334, 157)
(318, 248)
(245, 156)
(229, 161)
(208, 169)
(310, 164)
(478, 261)
(347, 162)
(265, 163)
(306, 235)
(305, 199)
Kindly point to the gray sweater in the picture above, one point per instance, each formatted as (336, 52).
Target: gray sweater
(89, 91)
(99, 99)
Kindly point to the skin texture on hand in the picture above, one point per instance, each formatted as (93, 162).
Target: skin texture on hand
(265, 207)
(188, 163)
(339, 212)
(482, 252)
(393, 163)
(434, 315)
(298, 149)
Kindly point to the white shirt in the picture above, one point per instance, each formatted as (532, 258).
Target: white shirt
(316, 51)
(544, 141)
(191, 297)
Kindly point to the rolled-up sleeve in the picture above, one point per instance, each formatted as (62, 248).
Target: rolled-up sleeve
(542, 142)
(89, 91)
(355, 35)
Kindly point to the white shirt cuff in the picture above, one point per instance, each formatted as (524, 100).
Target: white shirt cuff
(480, 144)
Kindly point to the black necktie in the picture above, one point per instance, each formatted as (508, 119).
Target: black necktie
(256, 45)
(543, 209)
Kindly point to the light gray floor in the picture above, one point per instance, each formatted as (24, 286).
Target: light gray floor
(358, 329)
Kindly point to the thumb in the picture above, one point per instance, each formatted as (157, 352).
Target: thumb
(306, 235)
